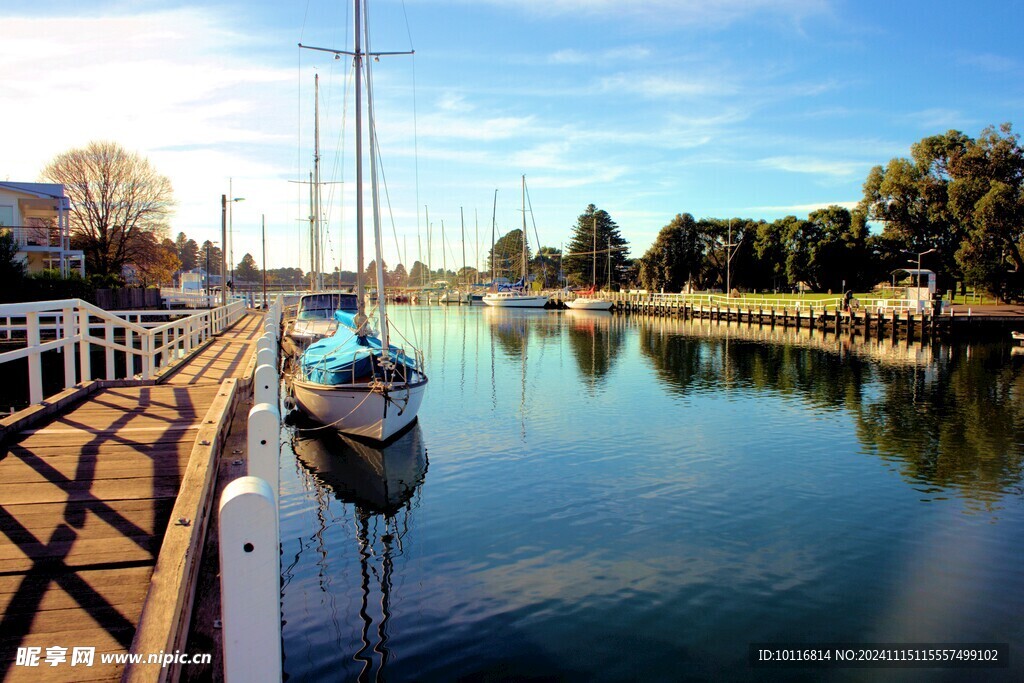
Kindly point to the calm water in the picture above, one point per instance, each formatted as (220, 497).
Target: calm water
(608, 498)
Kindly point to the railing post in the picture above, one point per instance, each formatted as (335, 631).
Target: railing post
(35, 364)
(250, 584)
(129, 354)
(84, 346)
(266, 356)
(70, 373)
(264, 437)
(108, 357)
(148, 359)
(265, 385)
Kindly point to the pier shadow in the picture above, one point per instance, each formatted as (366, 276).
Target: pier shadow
(88, 496)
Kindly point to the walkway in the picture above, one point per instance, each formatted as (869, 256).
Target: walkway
(85, 500)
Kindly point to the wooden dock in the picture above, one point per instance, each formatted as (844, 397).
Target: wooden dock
(94, 530)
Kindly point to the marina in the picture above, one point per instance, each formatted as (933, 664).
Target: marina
(684, 523)
(732, 391)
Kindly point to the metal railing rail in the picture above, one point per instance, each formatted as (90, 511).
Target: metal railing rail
(77, 323)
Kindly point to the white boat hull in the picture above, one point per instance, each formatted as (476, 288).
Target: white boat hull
(587, 304)
(505, 300)
(358, 410)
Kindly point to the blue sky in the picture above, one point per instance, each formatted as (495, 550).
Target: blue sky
(753, 108)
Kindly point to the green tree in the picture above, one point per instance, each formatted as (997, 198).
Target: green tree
(247, 270)
(419, 275)
(399, 278)
(676, 258)
(12, 267)
(506, 256)
(209, 258)
(577, 265)
(770, 245)
(188, 252)
(987, 196)
(546, 266)
(911, 197)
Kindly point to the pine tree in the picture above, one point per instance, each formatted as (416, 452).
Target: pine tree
(578, 265)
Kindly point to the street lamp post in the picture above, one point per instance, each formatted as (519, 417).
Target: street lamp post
(231, 229)
(224, 248)
(919, 255)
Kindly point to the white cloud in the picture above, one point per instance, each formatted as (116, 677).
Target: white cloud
(814, 166)
(667, 86)
(798, 209)
(670, 12)
(602, 57)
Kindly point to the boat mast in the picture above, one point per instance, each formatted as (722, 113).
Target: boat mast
(357, 63)
(312, 236)
(375, 199)
(593, 279)
(318, 250)
(524, 233)
(494, 213)
(462, 218)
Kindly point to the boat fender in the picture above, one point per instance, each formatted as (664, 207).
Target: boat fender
(289, 403)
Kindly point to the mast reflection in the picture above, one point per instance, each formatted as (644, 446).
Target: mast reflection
(380, 483)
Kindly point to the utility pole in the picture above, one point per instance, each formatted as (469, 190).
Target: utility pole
(263, 220)
(223, 251)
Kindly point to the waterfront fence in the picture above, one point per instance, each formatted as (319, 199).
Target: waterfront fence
(149, 345)
(250, 536)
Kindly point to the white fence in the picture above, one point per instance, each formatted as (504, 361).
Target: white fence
(706, 299)
(250, 539)
(151, 346)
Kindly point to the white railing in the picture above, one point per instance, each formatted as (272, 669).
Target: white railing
(746, 302)
(153, 346)
(250, 537)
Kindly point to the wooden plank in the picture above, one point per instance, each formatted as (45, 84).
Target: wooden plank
(17, 470)
(111, 451)
(163, 624)
(99, 519)
(80, 553)
(134, 488)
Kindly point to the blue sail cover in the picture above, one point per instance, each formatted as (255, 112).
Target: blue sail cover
(345, 357)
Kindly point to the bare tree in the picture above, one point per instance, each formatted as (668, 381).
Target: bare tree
(120, 204)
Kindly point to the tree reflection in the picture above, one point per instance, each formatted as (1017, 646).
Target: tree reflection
(596, 340)
(953, 422)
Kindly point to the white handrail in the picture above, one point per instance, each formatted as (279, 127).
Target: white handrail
(76, 322)
(250, 535)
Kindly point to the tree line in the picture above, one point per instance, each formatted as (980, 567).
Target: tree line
(956, 204)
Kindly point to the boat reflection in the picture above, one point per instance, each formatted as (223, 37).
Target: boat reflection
(596, 339)
(380, 483)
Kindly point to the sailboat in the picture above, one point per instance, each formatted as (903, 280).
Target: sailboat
(354, 380)
(314, 317)
(517, 295)
(588, 301)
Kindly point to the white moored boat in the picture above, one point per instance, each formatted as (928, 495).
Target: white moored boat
(315, 317)
(515, 300)
(354, 381)
(517, 295)
(588, 302)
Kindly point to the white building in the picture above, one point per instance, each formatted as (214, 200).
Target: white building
(37, 215)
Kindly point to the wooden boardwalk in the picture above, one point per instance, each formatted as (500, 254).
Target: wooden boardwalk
(85, 501)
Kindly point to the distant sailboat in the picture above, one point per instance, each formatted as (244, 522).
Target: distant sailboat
(588, 300)
(517, 295)
(354, 381)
